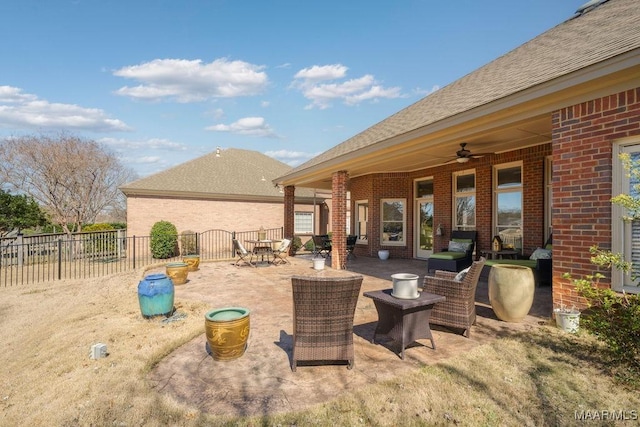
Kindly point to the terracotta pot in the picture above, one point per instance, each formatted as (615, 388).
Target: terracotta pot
(192, 261)
(178, 272)
(511, 291)
(155, 295)
(227, 330)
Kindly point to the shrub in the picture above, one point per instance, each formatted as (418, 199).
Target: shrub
(164, 240)
(296, 244)
(188, 242)
(101, 226)
(309, 246)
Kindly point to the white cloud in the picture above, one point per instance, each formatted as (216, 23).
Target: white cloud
(125, 145)
(192, 80)
(254, 126)
(314, 84)
(318, 73)
(19, 110)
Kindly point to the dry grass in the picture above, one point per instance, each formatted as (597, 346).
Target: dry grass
(536, 378)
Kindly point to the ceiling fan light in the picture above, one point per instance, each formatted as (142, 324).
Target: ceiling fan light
(462, 159)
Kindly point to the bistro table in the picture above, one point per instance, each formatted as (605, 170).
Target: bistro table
(262, 248)
(404, 320)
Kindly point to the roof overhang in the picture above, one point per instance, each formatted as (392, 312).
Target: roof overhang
(517, 121)
(186, 195)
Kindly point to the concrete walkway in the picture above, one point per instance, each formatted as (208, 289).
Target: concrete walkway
(261, 381)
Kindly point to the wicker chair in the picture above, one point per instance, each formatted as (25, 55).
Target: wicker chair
(323, 312)
(459, 309)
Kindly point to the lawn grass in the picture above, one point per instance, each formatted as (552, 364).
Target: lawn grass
(538, 377)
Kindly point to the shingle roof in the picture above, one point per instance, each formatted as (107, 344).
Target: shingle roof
(609, 30)
(235, 172)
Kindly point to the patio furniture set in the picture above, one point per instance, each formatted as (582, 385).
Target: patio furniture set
(263, 251)
(324, 307)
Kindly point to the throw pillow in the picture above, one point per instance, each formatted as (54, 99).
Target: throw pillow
(541, 254)
(458, 246)
(460, 276)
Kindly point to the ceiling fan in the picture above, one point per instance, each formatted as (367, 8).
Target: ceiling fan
(463, 155)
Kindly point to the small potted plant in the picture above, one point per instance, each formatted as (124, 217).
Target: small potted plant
(567, 319)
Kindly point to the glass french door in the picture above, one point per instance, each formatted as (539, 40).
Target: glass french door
(424, 227)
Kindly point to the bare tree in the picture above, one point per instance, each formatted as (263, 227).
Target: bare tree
(74, 179)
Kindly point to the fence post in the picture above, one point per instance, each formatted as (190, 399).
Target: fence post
(59, 259)
(133, 243)
(121, 238)
(20, 249)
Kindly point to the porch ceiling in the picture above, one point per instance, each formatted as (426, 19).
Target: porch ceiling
(435, 150)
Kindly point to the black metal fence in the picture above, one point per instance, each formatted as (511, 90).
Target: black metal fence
(34, 259)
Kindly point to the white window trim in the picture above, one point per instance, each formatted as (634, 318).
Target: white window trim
(456, 194)
(497, 191)
(404, 223)
(295, 231)
(619, 185)
(356, 216)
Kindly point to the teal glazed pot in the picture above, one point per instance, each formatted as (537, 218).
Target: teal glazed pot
(155, 294)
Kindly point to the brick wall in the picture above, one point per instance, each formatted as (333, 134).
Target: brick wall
(582, 160)
(202, 215)
(375, 187)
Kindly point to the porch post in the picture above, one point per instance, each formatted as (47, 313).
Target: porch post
(339, 182)
(289, 211)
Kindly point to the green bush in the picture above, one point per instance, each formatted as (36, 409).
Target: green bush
(309, 246)
(188, 243)
(611, 316)
(164, 240)
(296, 244)
(101, 226)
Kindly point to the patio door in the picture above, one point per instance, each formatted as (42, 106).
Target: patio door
(424, 227)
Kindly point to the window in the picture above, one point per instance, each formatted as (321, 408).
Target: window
(507, 179)
(361, 220)
(393, 221)
(464, 190)
(625, 235)
(303, 223)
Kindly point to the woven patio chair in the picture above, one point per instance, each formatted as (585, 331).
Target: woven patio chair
(459, 309)
(351, 245)
(242, 254)
(323, 312)
(280, 254)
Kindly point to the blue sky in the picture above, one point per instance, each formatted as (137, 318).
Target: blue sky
(165, 81)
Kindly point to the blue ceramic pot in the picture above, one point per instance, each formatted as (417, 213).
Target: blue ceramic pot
(156, 293)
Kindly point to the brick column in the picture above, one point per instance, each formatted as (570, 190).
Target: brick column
(582, 165)
(289, 211)
(339, 182)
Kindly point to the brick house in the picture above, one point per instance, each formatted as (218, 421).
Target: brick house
(228, 189)
(543, 126)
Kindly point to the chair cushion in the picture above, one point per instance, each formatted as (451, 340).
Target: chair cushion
(462, 274)
(448, 255)
(462, 240)
(459, 246)
(541, 254)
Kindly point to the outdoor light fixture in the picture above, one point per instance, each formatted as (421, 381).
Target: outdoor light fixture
(439, 230)
(218, 152)
(462, 159)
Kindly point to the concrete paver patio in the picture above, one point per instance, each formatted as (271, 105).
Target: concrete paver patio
(261, 381)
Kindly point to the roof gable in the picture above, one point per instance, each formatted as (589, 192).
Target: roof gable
(234, 172)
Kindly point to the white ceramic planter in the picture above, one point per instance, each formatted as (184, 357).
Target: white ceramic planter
(567, 320)
(383, 254)
(405, 285)
(318, 263)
